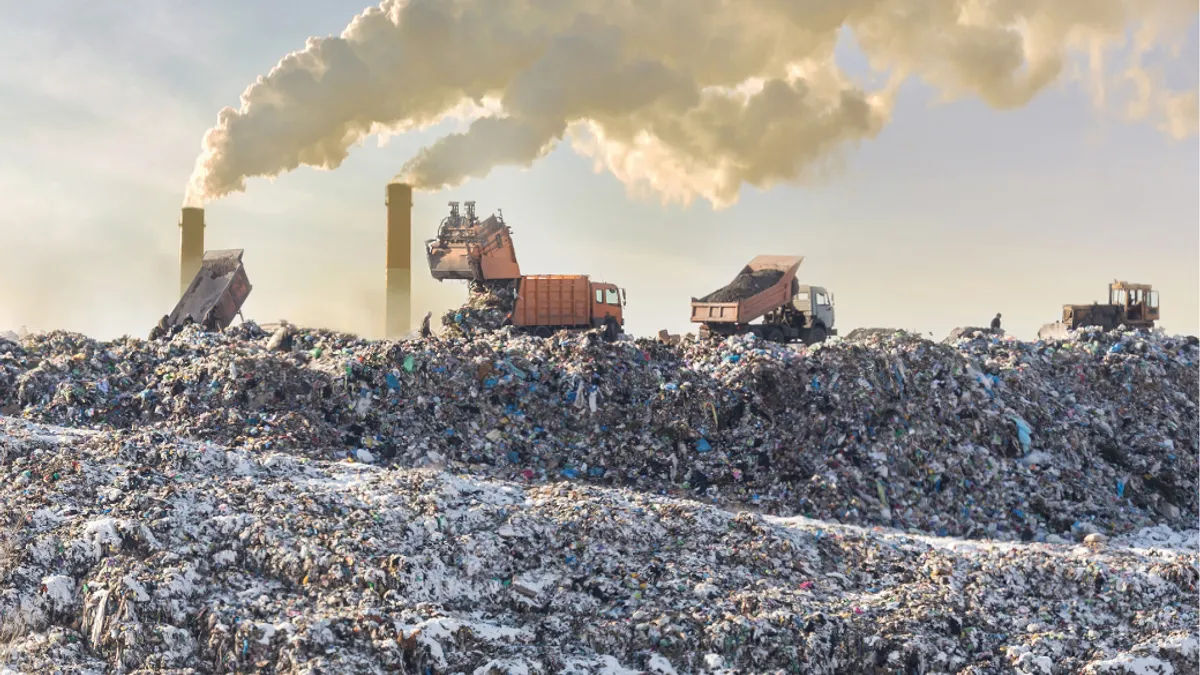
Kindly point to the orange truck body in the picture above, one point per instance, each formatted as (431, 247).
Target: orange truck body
(566, 301)
(748, 309)
(473, 250)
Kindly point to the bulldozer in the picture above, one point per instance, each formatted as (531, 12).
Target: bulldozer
(1129, 304)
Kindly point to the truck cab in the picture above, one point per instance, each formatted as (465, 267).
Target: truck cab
(816, 304)
(607, 302)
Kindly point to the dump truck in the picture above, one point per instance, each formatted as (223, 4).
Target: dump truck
(766, 290)
(481, 252)
(214, 297)
(1129, 304)
(550, 302)
(469, 249)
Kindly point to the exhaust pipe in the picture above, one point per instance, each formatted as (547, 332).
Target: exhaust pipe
(191, 246)
(398, 308)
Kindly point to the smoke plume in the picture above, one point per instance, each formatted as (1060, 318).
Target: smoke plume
(686, 98)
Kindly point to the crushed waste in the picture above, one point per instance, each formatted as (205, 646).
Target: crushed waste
(306, 501)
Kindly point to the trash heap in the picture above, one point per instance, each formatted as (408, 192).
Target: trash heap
(138, 549)
(984, 438)
(487, 309)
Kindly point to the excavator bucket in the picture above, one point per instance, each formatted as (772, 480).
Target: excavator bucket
(216, 294)
(470, 249)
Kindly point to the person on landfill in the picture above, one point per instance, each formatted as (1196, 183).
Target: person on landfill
(996, 322)
(425, 331)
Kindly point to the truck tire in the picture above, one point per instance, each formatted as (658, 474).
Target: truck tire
(543, 332)
(772, 334)
(611, 330)
(816, 334)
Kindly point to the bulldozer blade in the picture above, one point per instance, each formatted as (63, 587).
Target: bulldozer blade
(1053, 331)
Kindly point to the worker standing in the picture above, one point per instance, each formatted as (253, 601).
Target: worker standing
(996, 322)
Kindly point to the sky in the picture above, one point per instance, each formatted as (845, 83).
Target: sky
(954, 212)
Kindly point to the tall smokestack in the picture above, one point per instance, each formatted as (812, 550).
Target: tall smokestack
(191, 245)
(399, 260)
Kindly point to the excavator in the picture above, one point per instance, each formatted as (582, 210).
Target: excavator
(1130, 305)
(481, 252)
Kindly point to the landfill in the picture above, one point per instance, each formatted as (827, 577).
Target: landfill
(496, 503)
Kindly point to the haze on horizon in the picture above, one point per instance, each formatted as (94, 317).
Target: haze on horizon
(923, 202)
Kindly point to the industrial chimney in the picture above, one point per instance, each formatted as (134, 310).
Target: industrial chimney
(191, 246)
(398, 312)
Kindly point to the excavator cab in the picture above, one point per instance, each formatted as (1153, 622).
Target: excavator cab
(470, 249)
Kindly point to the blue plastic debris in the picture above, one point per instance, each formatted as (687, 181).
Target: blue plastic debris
(703, 445)
(1024, 433)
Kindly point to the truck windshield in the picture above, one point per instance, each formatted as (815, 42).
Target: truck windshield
(612, 297)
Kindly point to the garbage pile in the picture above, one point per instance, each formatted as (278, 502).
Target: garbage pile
(984, 438)
(487, 309)
(746, 284)
(138, 549)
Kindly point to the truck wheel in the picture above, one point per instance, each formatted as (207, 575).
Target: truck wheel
(611, 330)
(543, 332)
(817, 334)
(772, 334)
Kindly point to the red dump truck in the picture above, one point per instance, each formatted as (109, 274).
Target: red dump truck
(767, 289)
(482, 253)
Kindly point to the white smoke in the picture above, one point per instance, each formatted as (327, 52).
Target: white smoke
(685, 98)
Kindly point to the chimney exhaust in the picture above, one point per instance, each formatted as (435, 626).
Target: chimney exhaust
(398, 310)
(191, 245)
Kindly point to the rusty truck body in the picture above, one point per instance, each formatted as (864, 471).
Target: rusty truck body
(482, 253)
(214, 297)
(1129, 304)
(767, 291)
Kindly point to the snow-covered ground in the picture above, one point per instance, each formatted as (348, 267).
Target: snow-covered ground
(142, 550)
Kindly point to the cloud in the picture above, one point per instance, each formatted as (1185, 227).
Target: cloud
(685, 98)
